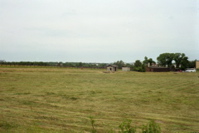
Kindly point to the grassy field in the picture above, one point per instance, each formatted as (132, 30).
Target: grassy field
(63, 100)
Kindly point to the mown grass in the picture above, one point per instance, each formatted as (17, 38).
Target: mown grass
(64, 100)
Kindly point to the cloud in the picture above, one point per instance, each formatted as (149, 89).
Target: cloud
(126, 29)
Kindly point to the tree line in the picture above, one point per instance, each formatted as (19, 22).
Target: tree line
(55, 64)
(178, 61)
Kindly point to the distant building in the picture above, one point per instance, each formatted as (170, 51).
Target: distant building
(112, 68)
(157, 69)
(197, 64)
(126, 69)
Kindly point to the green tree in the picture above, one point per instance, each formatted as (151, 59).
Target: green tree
(80, 64)
(180, 59)
(192, 64)
(138, 66)
(162, 59)
(145, 62)
(120, 64)
(184, 63)
(148, 61)
(165, 59)
(137, 63)
(169, 59)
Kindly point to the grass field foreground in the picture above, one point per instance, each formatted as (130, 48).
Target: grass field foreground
(63, 100)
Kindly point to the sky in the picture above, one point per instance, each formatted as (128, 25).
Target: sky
(97, 30)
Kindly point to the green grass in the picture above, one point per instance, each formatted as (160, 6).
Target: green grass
(64, 100)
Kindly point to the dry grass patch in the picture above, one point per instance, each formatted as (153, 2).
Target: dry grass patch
(63, 100)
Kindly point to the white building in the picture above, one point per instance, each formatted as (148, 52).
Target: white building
(126, 69)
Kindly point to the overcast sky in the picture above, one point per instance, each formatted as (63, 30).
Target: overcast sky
(97, 30)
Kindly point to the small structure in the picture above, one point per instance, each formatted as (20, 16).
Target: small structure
(126, 69)
(112, 68)
(197, 64)
(157, 69)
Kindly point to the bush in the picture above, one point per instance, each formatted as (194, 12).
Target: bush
(151, 127)
(125, 127)
(92, 124)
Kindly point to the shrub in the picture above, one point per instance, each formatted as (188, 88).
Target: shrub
(126, 127)
(92, 124)
(151, 127)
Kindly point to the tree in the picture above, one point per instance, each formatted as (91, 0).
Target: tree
(145, 62)
(138, 66)
(180, 58)
(192, 64)
(2, 62)
(80, 64)
(120, 64)
(148, 61)
(162, 59)
(137, 63)
(151, 61)
(184, 63)
(165, 59)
